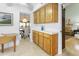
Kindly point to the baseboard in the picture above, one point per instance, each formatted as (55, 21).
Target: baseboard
(60, 52)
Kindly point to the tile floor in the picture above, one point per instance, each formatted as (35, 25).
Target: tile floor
(26, 48)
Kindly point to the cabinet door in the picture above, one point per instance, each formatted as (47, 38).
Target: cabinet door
(49, 11)
(38, 17)
(42, 15)
(47, 45)
(41, 40)
(54, 44)
(55, 12)
(35, 17)
(33, 33)
(36, 38)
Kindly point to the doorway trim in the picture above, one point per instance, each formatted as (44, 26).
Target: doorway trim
(63, 27)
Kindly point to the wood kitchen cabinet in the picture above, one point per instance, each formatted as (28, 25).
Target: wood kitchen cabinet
(49, 43)
(35, 18)
(38, 16)
(51, 13)
(35, 37)
(42, 15)
(41, 40)
(54, 44)
(55, 13)
(47, 14)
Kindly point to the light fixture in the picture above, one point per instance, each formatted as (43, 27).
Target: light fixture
(24, 20)
(22, 24)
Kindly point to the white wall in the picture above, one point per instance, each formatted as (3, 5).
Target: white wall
(72, 13)
(16, 17)
(50, 27)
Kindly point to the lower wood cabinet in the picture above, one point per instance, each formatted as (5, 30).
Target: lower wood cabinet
(41, 40)
(54, 44)
(49, 43)
(35, 37)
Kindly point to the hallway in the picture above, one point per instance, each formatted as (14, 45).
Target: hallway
(26, 48)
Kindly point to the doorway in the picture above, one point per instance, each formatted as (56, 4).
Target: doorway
(24, 26)
(63, 27)
(70, 29)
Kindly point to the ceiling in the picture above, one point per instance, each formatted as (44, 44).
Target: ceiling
(27, 5)
(66, 4)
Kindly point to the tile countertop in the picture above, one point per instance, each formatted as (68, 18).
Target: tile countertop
(48, 32)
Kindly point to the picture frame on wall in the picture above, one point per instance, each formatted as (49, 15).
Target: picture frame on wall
(6, 19)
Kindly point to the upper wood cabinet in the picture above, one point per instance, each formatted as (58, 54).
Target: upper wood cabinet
(55, 12)
(51, 13)
(38, 16)
(35, 17)
(47, 14)
(42, 15)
